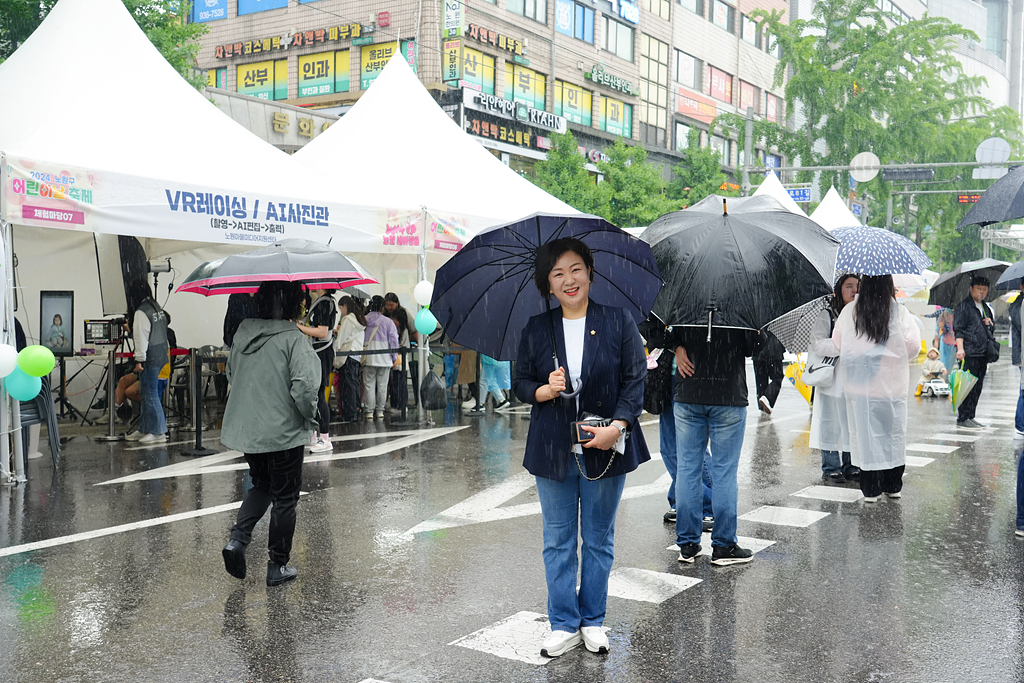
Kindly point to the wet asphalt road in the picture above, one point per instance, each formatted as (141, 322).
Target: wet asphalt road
(412, 538)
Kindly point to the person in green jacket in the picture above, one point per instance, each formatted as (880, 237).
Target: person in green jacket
(271, 412)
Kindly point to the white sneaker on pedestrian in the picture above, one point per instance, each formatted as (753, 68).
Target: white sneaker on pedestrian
(1019, 532)
(322, 446)
(134, 436)
(153, 438)
(595, 639)
(765, 405)
(379, 415)
(898, 494)
(872, 499)
(469, 403)
(559, 642)
(1018, 434)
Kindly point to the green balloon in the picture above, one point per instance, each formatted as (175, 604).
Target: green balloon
(36, 361)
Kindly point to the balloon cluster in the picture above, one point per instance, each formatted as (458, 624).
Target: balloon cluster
(424, 321)
(22, 371)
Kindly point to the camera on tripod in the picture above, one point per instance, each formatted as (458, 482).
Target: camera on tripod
(104, 332)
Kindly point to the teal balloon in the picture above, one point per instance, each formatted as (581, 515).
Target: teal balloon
(21, 386)
(36, 360)
(425, 322)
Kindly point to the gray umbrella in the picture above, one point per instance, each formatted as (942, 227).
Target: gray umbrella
(794, 328)
(1004, 201)
(954, 286)
(293, 260)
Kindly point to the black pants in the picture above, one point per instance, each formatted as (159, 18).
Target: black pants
(276, 480)
(323, 412)
(978, 366)
(398, 389)
(349, 385)
(876, 482)
(768, 376)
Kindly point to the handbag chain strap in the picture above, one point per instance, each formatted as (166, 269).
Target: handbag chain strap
(606, 468)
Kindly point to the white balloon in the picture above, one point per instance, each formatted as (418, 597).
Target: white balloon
(422, 293)
(8, 359)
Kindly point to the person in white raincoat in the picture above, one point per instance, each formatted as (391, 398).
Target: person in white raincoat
(876, 338)
(830, 432)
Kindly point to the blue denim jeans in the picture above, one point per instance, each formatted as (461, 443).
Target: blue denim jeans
(1018, 418)
(697, 426)
(667, 435)
(832, 462)
(152, 420)
(1020, 491)
(571, 508)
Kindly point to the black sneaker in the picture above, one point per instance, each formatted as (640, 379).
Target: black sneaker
(732, 554)
(969, 424)
(670, 517)
(707, 524)
(688, 552)
(834, 478)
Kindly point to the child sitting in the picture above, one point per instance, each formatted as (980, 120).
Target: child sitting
(930, 369)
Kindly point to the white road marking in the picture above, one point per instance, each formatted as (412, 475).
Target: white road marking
(211, 464)
(966, 438)
(932, 448)
(770, 514)
(833, 493)
(754, 545)
(916, 461)
(517, 637)
(643, 585)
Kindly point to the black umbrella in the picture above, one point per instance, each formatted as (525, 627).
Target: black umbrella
(484, 295)
(1011, 278)
(741, 266)
(1004, 201)
(954, 286)
(293, 260)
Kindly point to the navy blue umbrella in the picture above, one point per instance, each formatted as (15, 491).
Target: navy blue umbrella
(484, 295)
(877, 251)
(1010, 279)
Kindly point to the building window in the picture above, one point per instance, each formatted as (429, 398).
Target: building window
(771, 46)
(573, 102)
(751, 31)
(616, 117)
(772, 108)
(574, 19)
(653, 90)
(723, 147)
(532, 9)
(723, 16)
(265, 80)
(662, 8)
(748, 97)
(478, 69)
(618, 38)
(995, 30)
(695, 6)
(720, 86)
(525, 85)
(688, 70)
(682, 136)
(324, 73)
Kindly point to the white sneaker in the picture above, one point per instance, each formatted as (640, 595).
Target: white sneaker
(898, 494)
(379, 414)
(559, 642)
(322, 446)
(1018, 434)
(134, 436)
(765, 405)
(595, 639)
(153, 438)
(1019, 532)
(872, 499)
(470, 403)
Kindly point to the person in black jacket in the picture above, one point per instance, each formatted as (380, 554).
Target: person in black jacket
(1015, 343)
(710, 404)
(972, 324)
(768, 372)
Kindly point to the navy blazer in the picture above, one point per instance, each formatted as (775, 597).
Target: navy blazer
(614, 367)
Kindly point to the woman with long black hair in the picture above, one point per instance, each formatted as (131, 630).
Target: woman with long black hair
(876, 338)
(349, 338)
(830, 432)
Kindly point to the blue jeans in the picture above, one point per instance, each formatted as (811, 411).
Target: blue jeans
(667, 435)
(834, 463)
(152, 420)
(697, 426)
(1020, 492)
(578, 507)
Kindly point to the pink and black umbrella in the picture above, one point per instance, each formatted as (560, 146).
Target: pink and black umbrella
(293, 260)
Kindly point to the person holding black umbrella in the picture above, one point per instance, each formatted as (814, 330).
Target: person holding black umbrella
(972, 325)
(598, 357)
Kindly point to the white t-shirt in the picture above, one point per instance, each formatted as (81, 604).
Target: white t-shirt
(981, 308)
(575, 335)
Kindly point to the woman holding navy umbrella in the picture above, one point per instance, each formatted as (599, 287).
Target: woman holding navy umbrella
(600, 371)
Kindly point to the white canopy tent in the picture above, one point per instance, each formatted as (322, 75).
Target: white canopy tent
(833, 213)
(772, 187)
(397, 149)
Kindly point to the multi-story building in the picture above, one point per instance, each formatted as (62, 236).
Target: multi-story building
(509, 71)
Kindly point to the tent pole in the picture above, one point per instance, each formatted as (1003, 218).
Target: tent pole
(8, 327)
(421, 348)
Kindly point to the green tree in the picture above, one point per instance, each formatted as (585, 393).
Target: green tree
(163, 21)
(698, 175)
(564, 175)
(634, 189)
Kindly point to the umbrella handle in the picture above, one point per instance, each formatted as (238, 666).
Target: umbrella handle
(566, 394)
(710, 313)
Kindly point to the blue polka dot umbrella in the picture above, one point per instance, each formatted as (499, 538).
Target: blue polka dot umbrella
(876, 251)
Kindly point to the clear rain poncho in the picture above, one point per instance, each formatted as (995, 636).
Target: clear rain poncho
(876, 382)
(830, 430)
